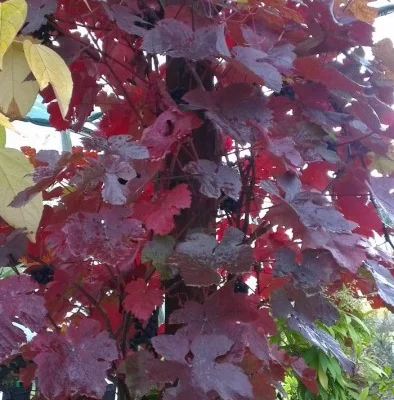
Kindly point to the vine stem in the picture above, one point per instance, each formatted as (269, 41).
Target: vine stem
(98, 307)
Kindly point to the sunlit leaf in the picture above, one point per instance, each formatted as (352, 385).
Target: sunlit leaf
(12, 16)
(49, 68)
(14, 171)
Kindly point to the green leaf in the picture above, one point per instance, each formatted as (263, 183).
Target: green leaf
(364, 393)
(323, 378)
(157, 252)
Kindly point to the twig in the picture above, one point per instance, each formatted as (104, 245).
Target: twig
(97, 306)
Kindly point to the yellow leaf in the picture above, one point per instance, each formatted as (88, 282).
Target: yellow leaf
(49, 68)
(5, 122)
(12, 16)
(17, 95)
(14, 177)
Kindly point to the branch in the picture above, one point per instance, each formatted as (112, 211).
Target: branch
(97, 305)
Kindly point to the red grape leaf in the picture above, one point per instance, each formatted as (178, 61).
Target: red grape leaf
(68, 364)
(215, 179)
(20, 304)
(170, 127)
(158, 213)
(141, 299)
(106, 236)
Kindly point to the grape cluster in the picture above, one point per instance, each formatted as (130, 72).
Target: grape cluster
(143, 334)
(43, 274)
(240, 286)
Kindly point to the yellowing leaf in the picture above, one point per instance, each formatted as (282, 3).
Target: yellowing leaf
(14, 171)
(384, 165)
(383, 50)
(49, 68)
(362, 11)
(17, 95)
(12, 16)
(3, 137)
(5, 122)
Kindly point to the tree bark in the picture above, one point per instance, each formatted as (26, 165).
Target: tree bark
(205, 144)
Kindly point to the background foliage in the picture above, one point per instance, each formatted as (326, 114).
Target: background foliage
(228, 209)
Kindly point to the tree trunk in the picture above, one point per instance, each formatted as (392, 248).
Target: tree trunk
(206, 144)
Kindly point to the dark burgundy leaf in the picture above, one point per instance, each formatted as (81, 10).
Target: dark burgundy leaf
(200, 256)
(176, 39)
(258, 62)
(19, 304)
(315, 212)
(347, 249)
(109, 236)
(36, 12)
(382, 191)
(12, 246)
(384, 281)
(203, 374)
(215, 179)
(322, 340)
(68, 363)
(239, 110)
(127, 20)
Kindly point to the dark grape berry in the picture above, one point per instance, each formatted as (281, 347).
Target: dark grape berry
(43, 274)
(240, 286)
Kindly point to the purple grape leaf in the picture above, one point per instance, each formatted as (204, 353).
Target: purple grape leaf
(36, 12)
(199, 256)
(19, 304)
(128, 149)
(322, 340)
(203, 374)
(115, 191)
(259, 63)
(299, 310)
(215, 179)
(239, 110)
(384, 281)
(382, 191)
(315, 212)
(107, 236)
(176, 39)
(127, 20)
(290, 184)
(12, 246)
(347, 249)
(316, 269)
